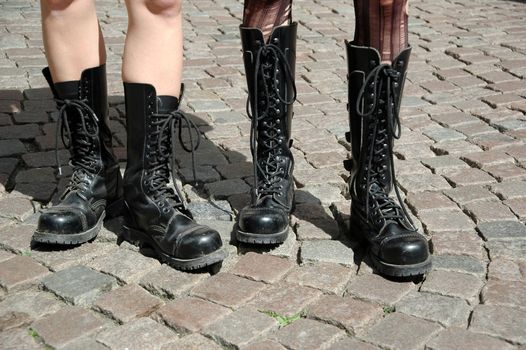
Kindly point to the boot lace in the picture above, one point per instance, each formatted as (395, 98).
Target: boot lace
(168, 127)
(80, 141)
(385, 81)
(269, 170)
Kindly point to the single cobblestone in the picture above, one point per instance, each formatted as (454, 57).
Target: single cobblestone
(508, 293)
(326, 251)
(307, 334)
(20, 272)
(502, 230)
(240, 327)
(447, 220)
(18, 338)
(125, 265)
(265, 268)
(216, 210)
(499, 321)
(79, 285)
(192, 342)
(377, 289)
(329, 277)
(455, 338)
(127, 302)
(513, 249)
(153, 335)
(352, 314)
(459, 263)
(442, 309)
(228, 290)
(191, 314)
(168, 282)
(456, 284)
(66, 325)
(285, 299)
(392, 332)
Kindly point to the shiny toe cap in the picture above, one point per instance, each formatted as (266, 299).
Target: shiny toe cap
(60, 222)
(402, 247)
(198, 243)
(263, 220)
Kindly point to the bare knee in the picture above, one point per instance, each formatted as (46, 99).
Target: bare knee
(59, 6)
(164, 8)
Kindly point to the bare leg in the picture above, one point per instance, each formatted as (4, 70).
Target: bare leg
(266, 14)
(382, 24)
(72, 37)
(153, 52)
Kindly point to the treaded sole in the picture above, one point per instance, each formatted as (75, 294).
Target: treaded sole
(141, 239)
(388, 269)
(72, 238)
(401, 270)
(255, 238)
(112, 210)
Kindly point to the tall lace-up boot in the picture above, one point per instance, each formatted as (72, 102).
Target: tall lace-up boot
(95, 188)
(396, 248)
(270, 76)
(156, 216)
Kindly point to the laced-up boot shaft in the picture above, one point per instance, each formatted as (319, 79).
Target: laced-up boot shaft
(375, 92)
(156, 214)
(95, 183)
(270, 77)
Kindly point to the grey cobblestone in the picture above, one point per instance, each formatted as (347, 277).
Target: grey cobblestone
(445, 310)
(79, 285)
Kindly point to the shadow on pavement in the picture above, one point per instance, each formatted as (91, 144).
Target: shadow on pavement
(28, 168)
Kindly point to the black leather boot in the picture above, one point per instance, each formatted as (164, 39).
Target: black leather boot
(270, 76)
(156, 216)
(95, 188)
(375, 91)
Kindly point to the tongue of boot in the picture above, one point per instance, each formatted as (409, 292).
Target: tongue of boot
(68, 90)
(167, 104)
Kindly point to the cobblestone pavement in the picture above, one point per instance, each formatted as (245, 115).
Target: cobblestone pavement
(461, 163)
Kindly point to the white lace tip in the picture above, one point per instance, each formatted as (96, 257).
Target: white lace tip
(59, 171)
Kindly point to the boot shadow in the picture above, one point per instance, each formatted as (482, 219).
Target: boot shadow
(28, 167)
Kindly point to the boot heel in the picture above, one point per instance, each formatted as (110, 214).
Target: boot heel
(115, 209)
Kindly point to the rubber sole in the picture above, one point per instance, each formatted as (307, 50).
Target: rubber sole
(388, 269)
(258, 238)
(401, 270)
(72, 238)
(112, 210)
(141, 239)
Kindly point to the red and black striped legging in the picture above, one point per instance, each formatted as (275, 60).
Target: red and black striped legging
(381, 24)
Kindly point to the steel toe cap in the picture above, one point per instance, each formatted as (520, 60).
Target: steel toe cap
(263, 220)
(61, 222)
(404, 248)
(198, 243)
